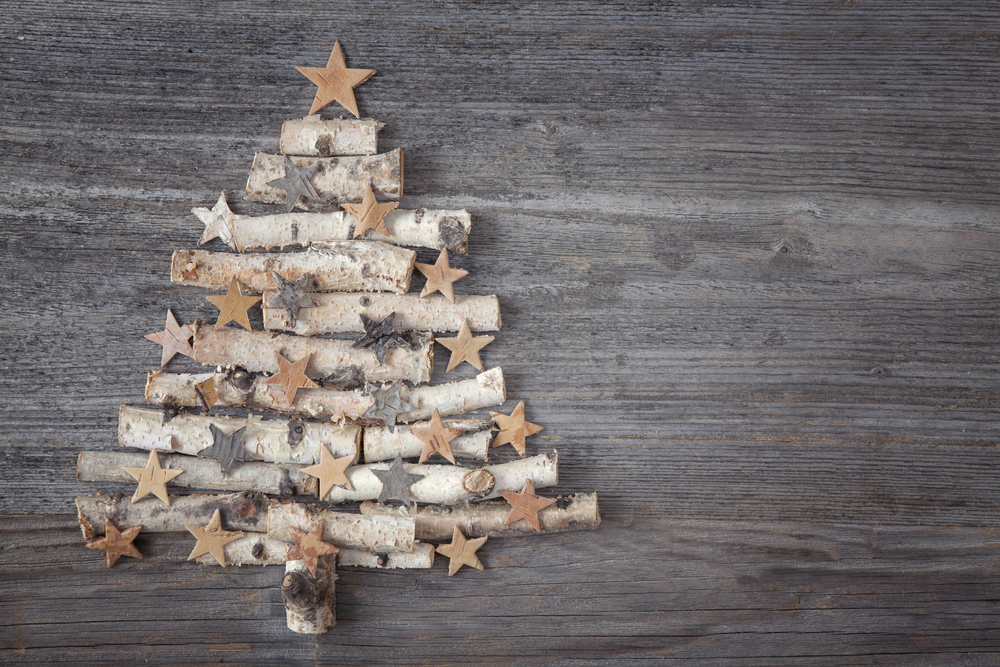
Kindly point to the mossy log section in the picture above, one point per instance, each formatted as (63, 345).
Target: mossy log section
(239, 389)
(338, 179)
(266, 439)
(258, 549)
(379, 533)
(337, 312)
(316, 137)
(334, 363)
(383, 444)
(436, 523)
(343, 266)
(310, 600)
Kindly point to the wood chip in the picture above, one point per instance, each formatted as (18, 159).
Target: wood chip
(233, 306)
(462, 552)
(152, 479)
(174, 339)
(116, 544)
(440, 276)
(336, 82)
(212, 539)
(465, 347)
(513, 428)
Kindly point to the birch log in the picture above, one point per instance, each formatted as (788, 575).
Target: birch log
(314, 136)
(245, 511)
(340, 312)
(258, 549)
(436, 523)
(239, 389)
(310, 601)
(204, 474)
(333, 362)
(346, 266)
(446, 484)
(338, 180)
(382, 444)
(270, 440)
(424, 228)
(384, 534)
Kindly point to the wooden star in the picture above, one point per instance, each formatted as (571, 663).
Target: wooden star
(116, 544)
(310, 546)
(436, 438)
(387, 404)
(440, 276)
(291, 376)
(174, 338)
(465, 348)
(152, 479)
(336, 82)
(212, 539)
(396, 482)
(330, 472)
(233, 306)
(461, 552)
(292, 294)
(226, 447)
(218, 222)
(379, 336)
(370, 214)
(513, 429)
(295, 183)
(526, 505)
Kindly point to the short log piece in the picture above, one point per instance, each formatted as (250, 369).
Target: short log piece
(383, 444)
(258, 549)
(310, 601)
(382, 534)
(316, 137)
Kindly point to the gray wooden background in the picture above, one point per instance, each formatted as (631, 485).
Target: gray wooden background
(747, 259)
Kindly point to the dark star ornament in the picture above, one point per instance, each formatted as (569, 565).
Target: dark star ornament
(387, 404)
(227, 448)
(295, 183)
(379, 337)
(292, 295)
(396, 482)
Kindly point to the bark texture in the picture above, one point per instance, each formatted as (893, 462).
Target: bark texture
(383, 444)
(316, 137)
(373, 532)
(258, 549)
(310, 601)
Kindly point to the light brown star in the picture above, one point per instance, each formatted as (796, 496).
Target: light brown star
(440, 276)
(370, 214)
(291, 376)
(526, 505)
(436, 438)
(174, 338)
(116, 544)
(513, 429)
(336, 82)
(233, 306)
(152, 479)
(310, 546)
(464, 347)
(330, 472)
(461, 552)
(212, 539)
(218, 222)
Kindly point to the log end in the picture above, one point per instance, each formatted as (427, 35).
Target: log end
(479, 481)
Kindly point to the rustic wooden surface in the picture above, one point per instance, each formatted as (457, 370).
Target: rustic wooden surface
(747, 258)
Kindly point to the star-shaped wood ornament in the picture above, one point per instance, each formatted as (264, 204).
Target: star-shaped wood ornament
(461, 552)
(370, 214)
(227, 447)
(212, 539)
(330, 472)
(233, 306)
(513, 428)
(218, 222)
(379, 337)
(436, 438)
(526, 505)
(296, 183)
(152, 479)
(336, 82)
(310, 546)
(440, 276)
(292, 294)
(116, 544)
(387, 404)
(465, 347)
(174, 338)
(396, 482)
(291, 376)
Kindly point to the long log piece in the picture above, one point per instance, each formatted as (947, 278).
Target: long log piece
(310, 601)
(258, 549)
(446, 484)
(436, 523)
(382, 534)
(338, 180)
(335, 312)
(346, 266)
(242, 390)
(292, 440)
(203, 474)
(314, 136)
(335, 363)
(383, 444)
(424, 228)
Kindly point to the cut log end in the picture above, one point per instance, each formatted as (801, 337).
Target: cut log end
(310, 601)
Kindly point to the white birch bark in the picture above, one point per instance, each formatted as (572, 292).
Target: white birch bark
(314, 136)
(383, 534)
(347, 266)
(338, 180)
(258, 549)
(335, 312)
(382, 444)
(310, 601)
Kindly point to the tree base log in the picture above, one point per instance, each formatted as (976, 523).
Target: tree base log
(310, 601)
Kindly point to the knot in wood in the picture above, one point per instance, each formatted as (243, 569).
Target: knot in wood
(299, 591)
(479, 481)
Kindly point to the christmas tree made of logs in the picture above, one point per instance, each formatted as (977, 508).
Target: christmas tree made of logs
(337, 402)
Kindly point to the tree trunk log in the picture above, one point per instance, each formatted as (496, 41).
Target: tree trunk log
(345, 266)
(258, 549)
(436, 523)
(382, 534)
(382, 444)
(333, 362)
(316, 137)
(310, 601)
(336, 312)
(339, 179)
